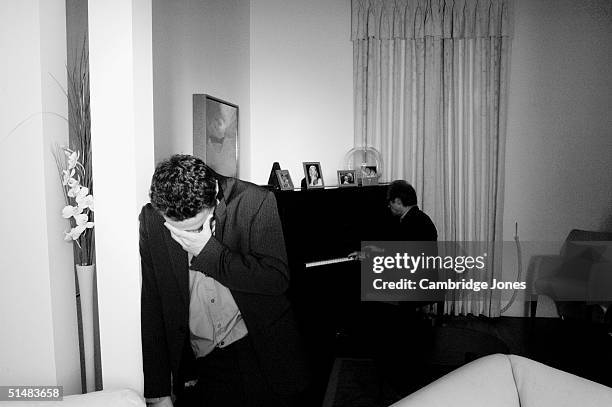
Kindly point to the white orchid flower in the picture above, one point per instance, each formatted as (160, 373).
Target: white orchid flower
(75, 190)
(81, 197)
(74, 233)
(83, 192)
(73, 157)
(86, 202)
(70, 211)
(77, 231)
(81, 219)
(68, 177)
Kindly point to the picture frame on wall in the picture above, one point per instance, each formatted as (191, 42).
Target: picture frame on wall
(284, 180)
(215, 133)
(347, 178)
(313, 174)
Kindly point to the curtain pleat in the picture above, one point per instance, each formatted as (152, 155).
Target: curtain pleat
(410, 19)
(430, 95)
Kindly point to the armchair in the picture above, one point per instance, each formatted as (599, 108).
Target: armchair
(579, 276)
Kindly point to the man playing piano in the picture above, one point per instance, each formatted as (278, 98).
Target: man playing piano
(403, 352)
(414, 224)
(214, 276)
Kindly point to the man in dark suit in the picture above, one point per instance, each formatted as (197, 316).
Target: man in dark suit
(214, 276)
(414, 224)
(403, 353)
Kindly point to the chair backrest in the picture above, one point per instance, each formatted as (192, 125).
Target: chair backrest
(577, 235)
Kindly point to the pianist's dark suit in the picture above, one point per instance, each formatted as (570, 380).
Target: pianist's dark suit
(414, 226)
(404, 352)
(247, 255)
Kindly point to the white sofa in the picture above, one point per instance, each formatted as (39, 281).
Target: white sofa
(104, 398)
(509, 380)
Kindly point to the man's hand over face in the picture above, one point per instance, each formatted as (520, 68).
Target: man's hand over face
(192, 242)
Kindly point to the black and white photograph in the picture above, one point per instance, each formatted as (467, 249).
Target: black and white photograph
(369, 171)
(440, 233)
(312, 173)
(346, 178)
(284, 180)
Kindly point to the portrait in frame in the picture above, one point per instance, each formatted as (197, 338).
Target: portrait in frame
(215, 133)
(313, 174)
(284, 180)
(369, 175)
(346, 178)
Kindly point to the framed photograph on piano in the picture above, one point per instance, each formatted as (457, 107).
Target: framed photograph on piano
(369, 175)
(313, 174)
(346, 178)
(284, 180)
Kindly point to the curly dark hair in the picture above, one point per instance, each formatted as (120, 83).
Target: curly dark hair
(182, 186)
(402, 190)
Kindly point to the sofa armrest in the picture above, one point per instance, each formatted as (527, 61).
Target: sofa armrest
(104, 398)
(485, 382)
(509, 381)
(541, 385)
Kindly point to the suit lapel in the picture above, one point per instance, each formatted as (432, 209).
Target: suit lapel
(225, 189)
(180, 266)
(220, 215)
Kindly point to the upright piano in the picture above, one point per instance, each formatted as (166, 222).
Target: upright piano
(321, 228)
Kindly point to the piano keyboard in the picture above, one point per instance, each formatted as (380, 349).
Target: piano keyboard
(330, 261)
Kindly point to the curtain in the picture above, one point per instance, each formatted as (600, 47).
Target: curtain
(430, 90)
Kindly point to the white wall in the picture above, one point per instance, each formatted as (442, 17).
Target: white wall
(37, 300)
(559, 146)
(121, 114)
(287, 64)
(199, 47)
(61, 261)
(301, 86)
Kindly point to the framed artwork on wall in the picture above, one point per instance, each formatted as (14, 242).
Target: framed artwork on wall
(215, 133)
(346, 178)
(312, 173)
(284, 180)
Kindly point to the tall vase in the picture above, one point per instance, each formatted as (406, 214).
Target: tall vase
(85, 276)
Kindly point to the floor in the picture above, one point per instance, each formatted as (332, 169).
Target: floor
(359, 378)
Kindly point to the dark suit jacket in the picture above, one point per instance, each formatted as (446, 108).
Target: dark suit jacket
(416, 226)
(247, 255)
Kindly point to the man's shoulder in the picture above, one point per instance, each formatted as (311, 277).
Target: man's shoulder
(147, 209)
(241, 188)
(424, 215)
(419, 219)
(148, 213)
(428, 224)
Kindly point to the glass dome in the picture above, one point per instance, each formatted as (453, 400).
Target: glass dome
(360, 158)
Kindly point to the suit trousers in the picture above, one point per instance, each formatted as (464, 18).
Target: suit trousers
(231, 376)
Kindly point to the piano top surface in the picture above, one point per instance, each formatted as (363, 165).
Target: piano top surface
(326, 223)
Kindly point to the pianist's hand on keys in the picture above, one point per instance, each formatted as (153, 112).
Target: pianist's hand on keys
(367, 251)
